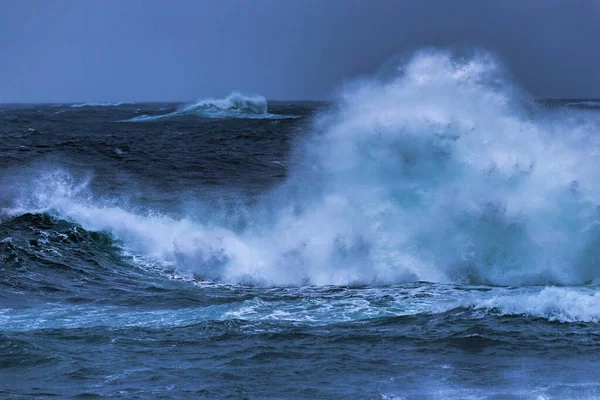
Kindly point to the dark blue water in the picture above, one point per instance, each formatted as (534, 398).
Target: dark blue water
(414, 240)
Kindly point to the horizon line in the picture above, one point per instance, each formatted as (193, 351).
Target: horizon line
(123, 102)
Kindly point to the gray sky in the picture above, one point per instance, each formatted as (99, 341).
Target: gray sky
(92, 50)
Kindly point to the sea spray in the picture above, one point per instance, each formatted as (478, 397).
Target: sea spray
(445, 173)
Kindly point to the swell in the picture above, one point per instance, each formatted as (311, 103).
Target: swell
(448, 311)
(51, 257)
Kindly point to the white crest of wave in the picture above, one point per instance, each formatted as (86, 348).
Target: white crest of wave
(96, 104)
(552, 303)
(445, 173)
(235, 102)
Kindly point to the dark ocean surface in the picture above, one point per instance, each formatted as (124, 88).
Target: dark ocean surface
(413, 240)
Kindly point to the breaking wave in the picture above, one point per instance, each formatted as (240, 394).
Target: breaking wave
(551, 303)
(114, 104)
(235, 105)
(443, 173)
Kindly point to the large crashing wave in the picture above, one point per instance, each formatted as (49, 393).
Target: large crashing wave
(235, 105)
(445, 173)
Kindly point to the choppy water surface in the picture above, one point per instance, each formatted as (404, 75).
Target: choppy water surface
(432, 235)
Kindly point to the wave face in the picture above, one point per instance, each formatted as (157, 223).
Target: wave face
(235, 105)
(444, 173)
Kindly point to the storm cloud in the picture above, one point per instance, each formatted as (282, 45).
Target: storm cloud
(143, 50)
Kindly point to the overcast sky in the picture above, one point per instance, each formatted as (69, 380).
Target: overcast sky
(93, 50)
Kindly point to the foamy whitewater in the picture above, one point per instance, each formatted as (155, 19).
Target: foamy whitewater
(433, 233)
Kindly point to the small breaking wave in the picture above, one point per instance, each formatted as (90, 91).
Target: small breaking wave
(551, 303)
(93, 104)
(236, 105)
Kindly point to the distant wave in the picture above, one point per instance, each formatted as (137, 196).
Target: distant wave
(236, 105)
(589, 103)
(114, 104)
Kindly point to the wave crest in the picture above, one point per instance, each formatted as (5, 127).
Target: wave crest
(234, 103)
(95, 104)
(551, 303)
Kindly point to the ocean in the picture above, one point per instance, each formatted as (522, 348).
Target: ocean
(433, 234)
